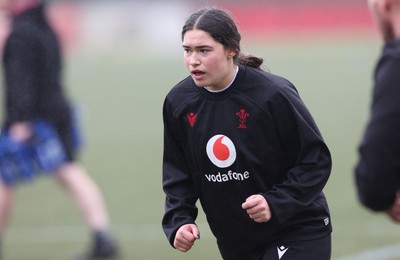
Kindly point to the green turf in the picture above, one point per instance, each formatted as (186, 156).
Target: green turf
(121, 95)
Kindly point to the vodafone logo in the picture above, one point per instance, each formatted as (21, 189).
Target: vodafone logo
(221, 151)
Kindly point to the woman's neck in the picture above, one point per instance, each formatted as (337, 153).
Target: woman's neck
(230, 83)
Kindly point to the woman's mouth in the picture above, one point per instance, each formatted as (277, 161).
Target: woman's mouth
(197, 74)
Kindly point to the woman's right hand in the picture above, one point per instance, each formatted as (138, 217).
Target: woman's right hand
(20, 131)
(186, 236)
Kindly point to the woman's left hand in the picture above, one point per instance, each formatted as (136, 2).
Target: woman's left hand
(258, 209)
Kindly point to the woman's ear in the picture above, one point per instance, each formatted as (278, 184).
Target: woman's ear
(231, 53)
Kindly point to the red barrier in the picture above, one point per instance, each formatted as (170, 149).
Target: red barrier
(258, 19)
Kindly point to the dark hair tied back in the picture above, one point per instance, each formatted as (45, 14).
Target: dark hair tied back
(219, 24)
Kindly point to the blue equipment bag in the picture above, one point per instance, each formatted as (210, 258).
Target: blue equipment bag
(21, 161)
(15, 160)
(48, 152)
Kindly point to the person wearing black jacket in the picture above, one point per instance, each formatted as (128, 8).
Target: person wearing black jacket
(32, 71)
(240, 140)
(377, 172)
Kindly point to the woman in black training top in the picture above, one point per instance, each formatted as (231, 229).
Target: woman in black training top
(241, 140)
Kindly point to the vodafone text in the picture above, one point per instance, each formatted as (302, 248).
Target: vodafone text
(229, 176)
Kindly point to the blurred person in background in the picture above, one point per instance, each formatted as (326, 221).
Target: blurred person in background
(32, 64)
(240, 140)
(377, 173)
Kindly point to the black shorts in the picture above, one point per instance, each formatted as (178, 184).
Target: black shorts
(65, 132)
(65, 138)
(300, 250)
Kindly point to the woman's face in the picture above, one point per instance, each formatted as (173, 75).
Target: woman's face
(209, 63)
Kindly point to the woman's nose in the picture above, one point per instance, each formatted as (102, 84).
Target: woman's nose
(194, 60)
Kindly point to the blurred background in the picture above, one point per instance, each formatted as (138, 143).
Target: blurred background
(121, 59)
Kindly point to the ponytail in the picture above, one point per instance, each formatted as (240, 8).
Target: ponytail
(249, 60)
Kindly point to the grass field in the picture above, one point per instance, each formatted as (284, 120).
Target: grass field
(121, 95)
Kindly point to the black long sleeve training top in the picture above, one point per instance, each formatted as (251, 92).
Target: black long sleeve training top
(256, 137)
(32, 68)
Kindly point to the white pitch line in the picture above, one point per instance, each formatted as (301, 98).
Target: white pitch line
(382, 253)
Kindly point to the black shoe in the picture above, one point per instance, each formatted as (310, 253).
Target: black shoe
(103, 248)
